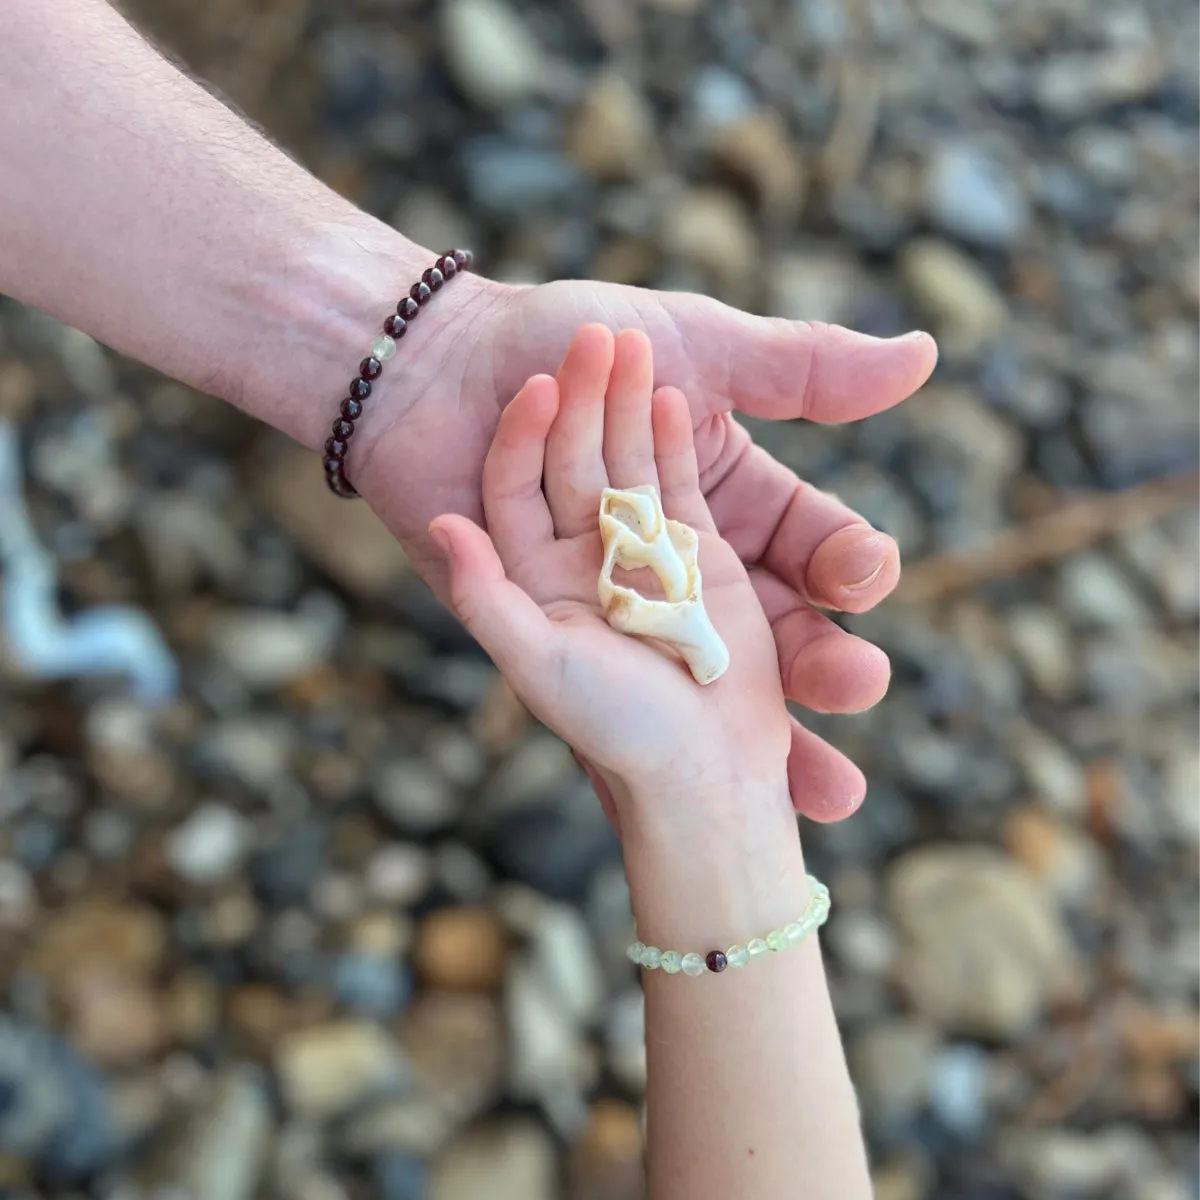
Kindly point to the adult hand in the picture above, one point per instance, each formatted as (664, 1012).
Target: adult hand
(805, 550)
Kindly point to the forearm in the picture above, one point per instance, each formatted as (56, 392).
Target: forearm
(749, 1093)
(138, 208)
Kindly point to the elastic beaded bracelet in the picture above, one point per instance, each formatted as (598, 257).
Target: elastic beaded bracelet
(815, 914)
(383, 348)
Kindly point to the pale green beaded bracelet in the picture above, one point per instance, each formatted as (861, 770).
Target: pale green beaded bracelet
(814, 916)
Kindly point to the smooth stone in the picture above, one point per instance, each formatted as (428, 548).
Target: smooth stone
(254, 749)
(892, 1064)
(941, 897)
(415, 796)
(507, 1158)
(606, 1161)
(371, 984)
(399, 874)
(266, 648)
(282, 871)
(611, 135)
(1094, 589)
(1052, 774)
(399, 1177)
(1065, 859)
(955, 292)
(721, 97)
(404, 1125)
(506, 179)
(710, 230)
(813, 284)
(455, 1043)
(1042, 641)
(971, 195)
(326, 1069)
(958, 1089)
(211, 843)
(461, 949)
(491, 52)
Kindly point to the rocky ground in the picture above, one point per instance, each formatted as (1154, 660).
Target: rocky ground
(343, 922)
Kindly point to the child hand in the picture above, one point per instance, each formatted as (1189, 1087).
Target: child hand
(630, 707)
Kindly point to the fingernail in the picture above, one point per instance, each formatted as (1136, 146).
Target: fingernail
(443, 544)
(863, 584)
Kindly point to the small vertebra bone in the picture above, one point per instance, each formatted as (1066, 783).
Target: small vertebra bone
(636, 533)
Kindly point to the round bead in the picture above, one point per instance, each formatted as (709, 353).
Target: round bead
(672, 961)
(407, 308)
(351, 408)
(692, 964)
(756, 947)
(369, 368)
(360, 389)
(716, 962)
(651, 958)
(420, 292)
(433, 278)
(794, 931)
(462, 258)
(777, 940)
(342, 429)
(383, 348)
(336, 448)
(737, 956)
(333, 464)
(633, 951)
(339, 485)
(395, 327)
(447, 266)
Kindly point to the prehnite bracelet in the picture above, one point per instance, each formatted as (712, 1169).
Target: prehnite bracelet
(383, 348)
(815, 914)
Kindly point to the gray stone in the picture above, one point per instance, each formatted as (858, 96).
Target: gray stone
(506, 180)
(325, 1070)
(212, 841)
(891, 1063)
(971, 195)
(414, 796)
(958, 1088)
(1095, 590)
(1042, 642)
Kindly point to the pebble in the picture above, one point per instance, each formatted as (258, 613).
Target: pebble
(606, 1162)
(491, 52)
(18, 896)
(957, 1089)
(759, 152)
(815, 285)
(1042, 641)
(325, 1070)
(509, 1158)
(455, 1044)
(284, 866)
(1051, 773)
(970, 195)
(399, 874)
(611, 136)
(266, 648)
(564, 958)
(708, 229)
(625, 1040)
(955, 292)
(941, 896)
(462, 949)
(505, 179)
(210, 844)
(892, 1064)
(371, 984)
(346, 541)
(1066, 861)
(414, 796)
(399, 1177)
(1100, 595)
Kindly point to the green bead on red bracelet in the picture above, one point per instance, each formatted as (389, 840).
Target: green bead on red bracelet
(383, 349)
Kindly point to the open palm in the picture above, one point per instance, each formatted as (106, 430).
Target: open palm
(529, 591)
(804, 549)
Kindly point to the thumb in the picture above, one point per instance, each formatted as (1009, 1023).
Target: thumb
(776, 368)
(499, 615)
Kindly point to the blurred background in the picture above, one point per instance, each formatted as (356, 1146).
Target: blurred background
(340, 921)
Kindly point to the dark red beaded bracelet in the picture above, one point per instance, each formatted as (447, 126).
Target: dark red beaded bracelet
(383, 348)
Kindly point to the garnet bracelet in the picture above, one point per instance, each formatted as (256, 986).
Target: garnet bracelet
(715, 961)
(383, 348)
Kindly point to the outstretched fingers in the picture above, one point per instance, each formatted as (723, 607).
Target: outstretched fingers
(518, 517)
(675, 461)
(516, 634)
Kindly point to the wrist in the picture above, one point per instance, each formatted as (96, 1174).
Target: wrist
(312, 308)
(713, 869)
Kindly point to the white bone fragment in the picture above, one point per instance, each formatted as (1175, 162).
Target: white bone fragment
(636, 533)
